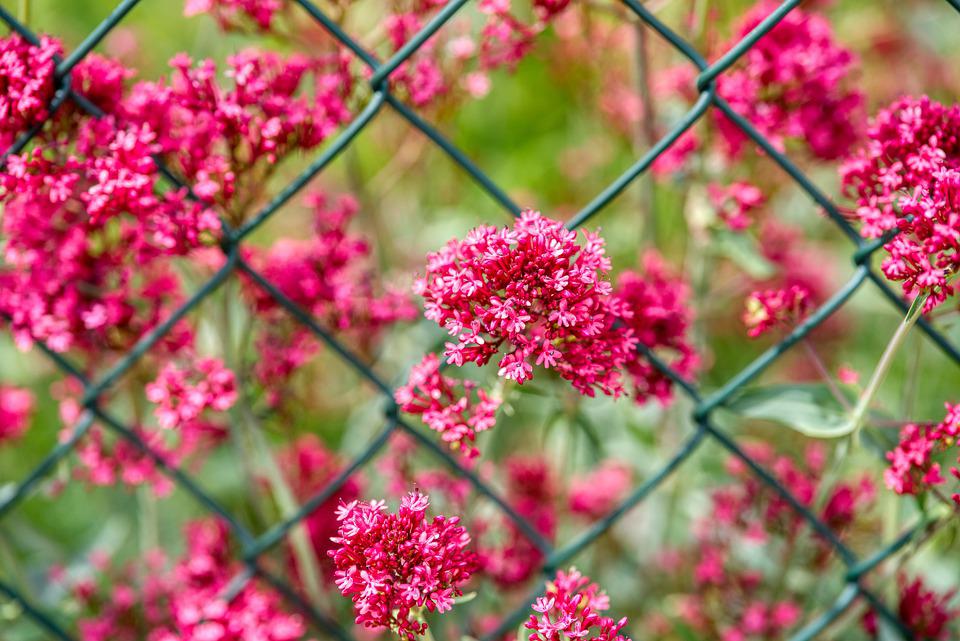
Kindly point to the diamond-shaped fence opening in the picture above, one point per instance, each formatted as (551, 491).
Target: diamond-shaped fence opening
(253, 547)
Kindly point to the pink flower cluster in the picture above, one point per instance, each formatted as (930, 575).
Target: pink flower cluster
(570, 609)
(184, 603)
(16, 406)
(655, 305)
(770, 308)
(913, 466)
(393, 566)
(532, 492)
(907, 178)
(232, 14)
(328, 275)
(598, 493)
(182, 395)
(458, 410)
(26, 84)
(729, 596)
(226, 141)
(430, 72)
(926, 613)
(535, 292)
(735, 202)
(792, 83)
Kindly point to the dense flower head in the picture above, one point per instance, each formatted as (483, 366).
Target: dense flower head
(184, 603)
(532, 491)
(907, 179)
(328, 275)
(182, 395)
(654, 304)
(86, 238)
(792, 83)
(224, 141)
(735, 202)
(456, 409)
(599, 492)
(16, 406)
(914, 468)
(570, 609)
(535, 292)
(770, 308)
(395, 565)
(926, 613)
(27, 84)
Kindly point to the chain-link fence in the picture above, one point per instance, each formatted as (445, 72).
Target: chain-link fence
(705, 404)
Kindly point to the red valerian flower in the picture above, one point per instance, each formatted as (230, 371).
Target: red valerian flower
(185, 603)
(792, 83)
(232, 15)
(393, 566)
(16, 405)
(907, 178)
(183, 394)
(535, 292)
(26, 84)
(570, 609)
(654, 305)
(913, 465)
(457, 409)
(925, 613)
(734, 202)
(531, 490)
(598, 493)
(771, 308)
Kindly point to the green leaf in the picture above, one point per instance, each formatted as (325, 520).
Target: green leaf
(465, 598)
(807, 408)
(886, 631)
(743, 250)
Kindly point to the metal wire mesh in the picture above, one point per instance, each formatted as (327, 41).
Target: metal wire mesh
(705, 404)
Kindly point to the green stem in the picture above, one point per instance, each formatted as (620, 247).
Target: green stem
(257, 456)
(866, 398)
(23, 12)
(306, 558)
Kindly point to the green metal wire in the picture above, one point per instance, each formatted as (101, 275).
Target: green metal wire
(253, 548)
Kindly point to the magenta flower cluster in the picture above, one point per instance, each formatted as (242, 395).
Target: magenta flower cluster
(457, 409)
(395, 566)
(571, 609)
(907, 179)
(16, 406)
(26, 84)
(181, 396)
(533, 292)
(770, 308)
(914, 468)
(185, 603)
(792, 83)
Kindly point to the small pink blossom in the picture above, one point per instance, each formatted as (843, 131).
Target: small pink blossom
(26, 84)
(16, 406)
(182, 395)
(570, 609)
(735, 202)
(775, 308)
(458, 410)
(598, 493)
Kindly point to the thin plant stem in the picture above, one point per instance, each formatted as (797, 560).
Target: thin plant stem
(258, 456)
(23, 12)
(825, 373)
(303, 551)
(886, 360)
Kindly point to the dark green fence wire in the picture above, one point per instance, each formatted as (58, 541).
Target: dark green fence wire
(705, 404)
